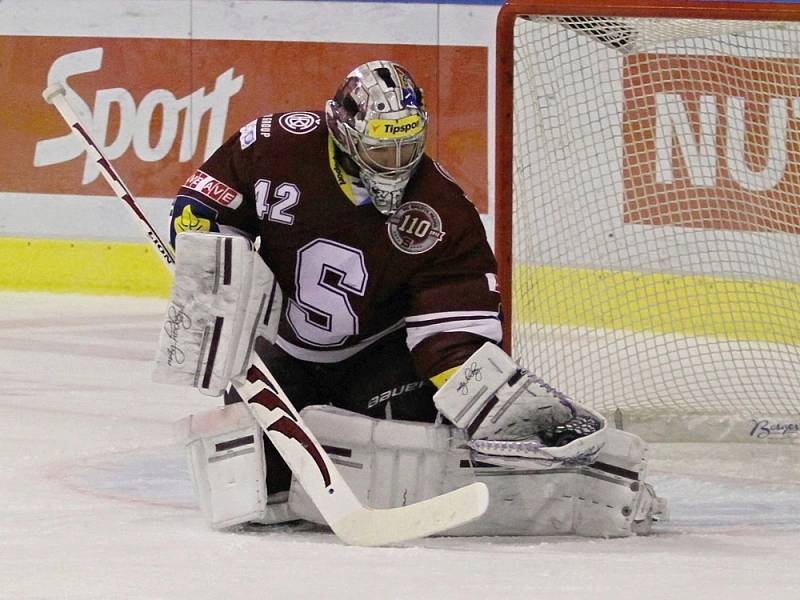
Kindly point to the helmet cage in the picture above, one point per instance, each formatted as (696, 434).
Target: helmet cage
(388, 157)
(378, 119)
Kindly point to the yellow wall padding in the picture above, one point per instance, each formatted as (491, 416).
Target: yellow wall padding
(87, 267)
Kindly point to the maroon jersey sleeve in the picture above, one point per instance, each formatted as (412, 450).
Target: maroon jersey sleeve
(219, 192)
(455, 304)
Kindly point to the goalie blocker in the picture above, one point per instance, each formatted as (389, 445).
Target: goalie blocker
(223, 297)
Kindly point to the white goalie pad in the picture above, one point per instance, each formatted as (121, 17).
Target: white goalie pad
(225, 452)
(394, 463)
(223, 297)
(508, 411)
(387, 463)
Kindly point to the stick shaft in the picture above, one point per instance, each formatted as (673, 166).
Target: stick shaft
(56, 95)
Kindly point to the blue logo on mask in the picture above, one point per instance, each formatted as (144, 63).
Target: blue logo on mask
(410, 98)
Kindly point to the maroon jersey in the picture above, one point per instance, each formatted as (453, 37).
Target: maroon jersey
(349, 274)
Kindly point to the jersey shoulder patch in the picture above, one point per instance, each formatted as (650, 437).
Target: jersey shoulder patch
(300, 122)
(259, 128)
(213, 189)
(248, 134)
(415, 227)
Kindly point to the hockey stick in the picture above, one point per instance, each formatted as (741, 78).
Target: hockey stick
(56, 95)
(350, 520)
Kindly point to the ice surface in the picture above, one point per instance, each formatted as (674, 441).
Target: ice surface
(95, 501)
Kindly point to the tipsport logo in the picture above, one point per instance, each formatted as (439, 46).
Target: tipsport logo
(150, 127)
(394, 129)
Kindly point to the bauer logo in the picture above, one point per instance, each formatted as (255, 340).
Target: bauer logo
(717, 150)
(394, 392)
(213, 189)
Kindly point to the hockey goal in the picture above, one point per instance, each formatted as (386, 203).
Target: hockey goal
(648, 210)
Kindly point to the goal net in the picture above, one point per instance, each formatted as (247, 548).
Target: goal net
(648, 210)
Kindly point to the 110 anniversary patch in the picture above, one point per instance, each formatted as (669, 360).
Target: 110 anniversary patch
(415, 228)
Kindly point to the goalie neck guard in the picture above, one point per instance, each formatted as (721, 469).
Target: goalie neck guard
(377, 118)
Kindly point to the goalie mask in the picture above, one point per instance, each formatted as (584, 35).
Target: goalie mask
(378, 120)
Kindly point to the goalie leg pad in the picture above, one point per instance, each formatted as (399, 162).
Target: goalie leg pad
(607, 498)
(223, 297)
(393, 463)
(386, 463)
(225, 451)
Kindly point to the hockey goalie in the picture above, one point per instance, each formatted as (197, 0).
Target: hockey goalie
(324, 254)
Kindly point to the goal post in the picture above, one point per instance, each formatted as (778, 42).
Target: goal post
(647, 210)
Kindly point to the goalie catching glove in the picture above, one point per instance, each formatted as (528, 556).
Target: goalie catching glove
(509, 412)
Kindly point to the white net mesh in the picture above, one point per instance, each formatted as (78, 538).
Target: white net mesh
(656, 219)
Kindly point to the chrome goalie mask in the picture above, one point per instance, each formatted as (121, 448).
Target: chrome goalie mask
(378, 119)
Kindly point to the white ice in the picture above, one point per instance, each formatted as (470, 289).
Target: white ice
(95, 500)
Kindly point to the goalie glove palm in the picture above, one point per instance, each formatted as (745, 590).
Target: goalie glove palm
(494, 399)
(522, 408)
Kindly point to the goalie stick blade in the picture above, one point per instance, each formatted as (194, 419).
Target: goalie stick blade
(379, 527)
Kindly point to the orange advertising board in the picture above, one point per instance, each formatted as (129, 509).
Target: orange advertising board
(712, 142)
(158, 107)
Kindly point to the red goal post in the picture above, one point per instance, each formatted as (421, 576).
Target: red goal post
(647, 209)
